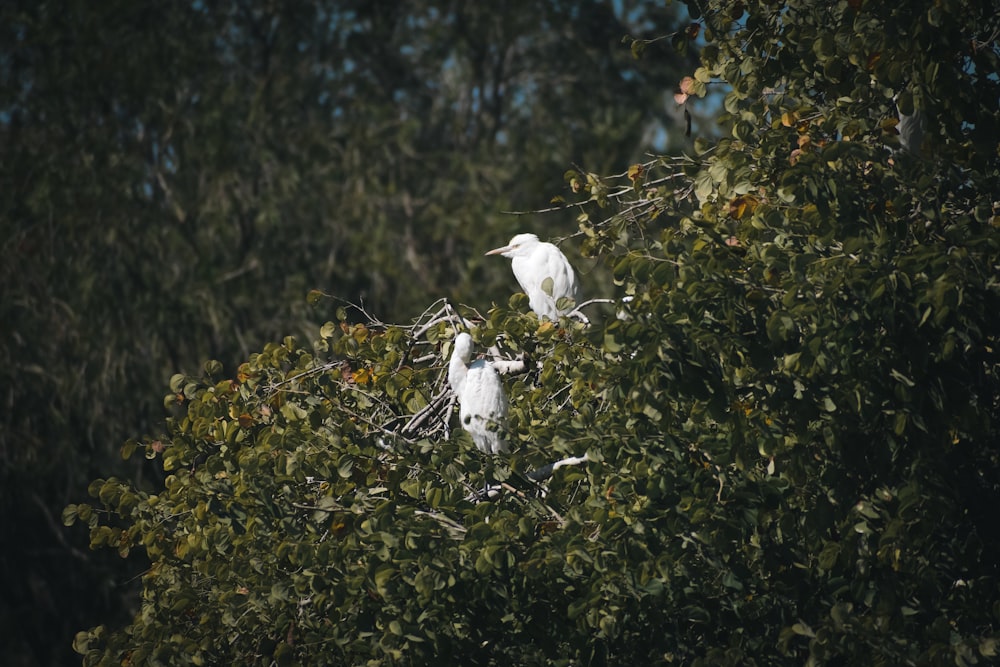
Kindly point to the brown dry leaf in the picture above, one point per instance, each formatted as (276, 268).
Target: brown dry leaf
(739, 207)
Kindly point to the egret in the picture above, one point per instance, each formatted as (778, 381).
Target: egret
(911, 130)
(481, 399)
(911, 125)
(543, 272)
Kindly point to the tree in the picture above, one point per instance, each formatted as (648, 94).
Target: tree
(789, 427)
(176, 178)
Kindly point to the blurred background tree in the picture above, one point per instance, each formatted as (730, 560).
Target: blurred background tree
(176, 177)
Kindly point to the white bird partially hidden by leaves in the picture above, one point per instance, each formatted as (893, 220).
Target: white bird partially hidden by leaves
(543, 272)
(912, 123)
(481, 398)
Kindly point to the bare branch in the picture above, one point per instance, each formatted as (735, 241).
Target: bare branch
(547, 471)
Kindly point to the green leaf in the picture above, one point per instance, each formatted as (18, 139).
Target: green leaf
(313, 297)
(69, 515)
(611, 343)
(547, 285)
(129, 448)
(82, 641)
(383, 576)
(177, 382)
(803, 629)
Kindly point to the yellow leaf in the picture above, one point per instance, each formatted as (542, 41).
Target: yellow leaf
(362, 376)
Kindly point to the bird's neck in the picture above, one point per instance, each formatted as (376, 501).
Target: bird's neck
(457, 370)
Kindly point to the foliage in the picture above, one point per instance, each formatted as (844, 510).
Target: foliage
(790, 425)
(176, 177)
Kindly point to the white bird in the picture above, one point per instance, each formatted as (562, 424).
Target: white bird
(481, 398)
(911, 130)
(543, 272)
(911, 126)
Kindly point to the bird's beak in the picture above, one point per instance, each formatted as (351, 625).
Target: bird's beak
(499, 251)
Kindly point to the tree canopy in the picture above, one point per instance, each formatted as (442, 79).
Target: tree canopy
(789, 425)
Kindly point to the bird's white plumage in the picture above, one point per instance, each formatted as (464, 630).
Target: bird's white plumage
(911, 127)
(481, 398)
(534, 262)
(911, 131)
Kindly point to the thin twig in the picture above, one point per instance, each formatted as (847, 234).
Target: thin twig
(56, 529)
(454, 528)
